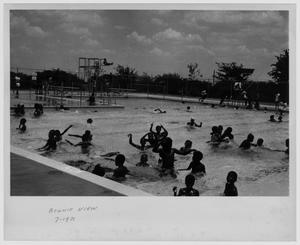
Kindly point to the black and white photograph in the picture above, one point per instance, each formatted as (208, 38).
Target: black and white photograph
(183, 103)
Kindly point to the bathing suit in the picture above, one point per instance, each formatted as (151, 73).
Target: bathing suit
(197, 167)
(120, 172)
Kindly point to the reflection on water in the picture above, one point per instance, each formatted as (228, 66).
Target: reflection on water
(261, 171)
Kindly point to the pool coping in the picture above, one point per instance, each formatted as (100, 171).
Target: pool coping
(87, 176)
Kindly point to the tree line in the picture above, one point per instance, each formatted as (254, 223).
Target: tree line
(223, 83)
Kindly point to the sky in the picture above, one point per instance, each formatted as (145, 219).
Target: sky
(151, 41)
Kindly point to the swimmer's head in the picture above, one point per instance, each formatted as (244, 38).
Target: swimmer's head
(158, 129)
(231, 177)
(272, 117)
(188, 108)
(214, 129)
(188, 144)
(189, 181)
(90, 121)
(220, 128)
(197, 156)
(23, 121)
(87, 132)
(144, 158)
(229, 130)
(51, 133)
(250, 137)
(212, 106)
(260, 142)
(280, 118)
(119, 160)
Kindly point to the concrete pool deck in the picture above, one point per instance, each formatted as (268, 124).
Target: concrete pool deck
(34, 175)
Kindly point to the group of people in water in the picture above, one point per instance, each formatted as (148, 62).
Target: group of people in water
(156, 139)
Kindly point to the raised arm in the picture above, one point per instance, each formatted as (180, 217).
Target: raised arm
(66, 130)
(151, 129)
(75, 135)
(179, 152)
(133, 144)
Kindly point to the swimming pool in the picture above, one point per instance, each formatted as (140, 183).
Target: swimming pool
(261, 172)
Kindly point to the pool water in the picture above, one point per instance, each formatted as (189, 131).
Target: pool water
(261, 172)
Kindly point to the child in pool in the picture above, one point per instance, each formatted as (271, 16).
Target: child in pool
(188, 190)
(246, 144)
(143, 161)
(230, 188)
(215, 135)
(167, 153)
(192, 123)
(227, 134)
(159, 134)
(196, 165)
(259, 142)
(159, 110)
(86, 137)
(51, 142)
(143, 142)
(22, 126)
(121, 171)
(58, 135)
(187, 148)
(38, 110)
(220, 130)
(272, 119)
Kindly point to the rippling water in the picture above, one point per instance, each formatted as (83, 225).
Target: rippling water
(260, 171)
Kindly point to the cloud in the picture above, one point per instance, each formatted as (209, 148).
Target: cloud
(91, 42)
(120, 27)
(158, 22)
(20, 25)
(139, 38)
(233, 17)
(75, 30)
(159, 52)
(81, 17)
(170, 34)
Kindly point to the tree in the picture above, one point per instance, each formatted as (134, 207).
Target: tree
(280, 70)
(233, 72)
(126, 75)
(193, 71)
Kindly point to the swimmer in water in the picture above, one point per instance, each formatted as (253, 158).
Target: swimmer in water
(272, 119)
(230, 188)
(58, 135)
(196, 165)
(188, 109)
(215, 137)
(51, 142)
(187, 148)
(192, 123)
(85, 143)
(159, 110)
(143, 161)
(259, 142)
(141, 147)
(160, 133)
(38, 110)
(89, 121)
(188, 190)
(227, 134)
(246, 144)
(279, 119)
(220, 130)
(121, 171)
(22, 126)
(167, 154)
